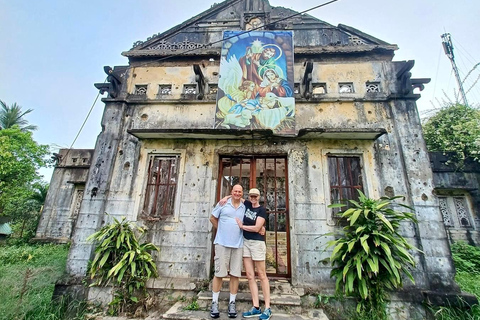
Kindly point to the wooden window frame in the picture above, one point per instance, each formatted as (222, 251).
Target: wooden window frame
(149, 156)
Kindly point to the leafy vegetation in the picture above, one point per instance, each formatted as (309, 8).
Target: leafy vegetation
(124, 263)
(467, 264)
(30, 272)
(454, 129)
(193, 305)
(369, 256)
(20, 158)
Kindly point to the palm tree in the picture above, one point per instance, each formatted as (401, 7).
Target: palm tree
(13, 115)
(40, 190)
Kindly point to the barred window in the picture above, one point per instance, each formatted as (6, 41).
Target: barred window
(141, 89)
(161, 186)
(345, 177)
(190, 89)
(345, 87)
(164, 89)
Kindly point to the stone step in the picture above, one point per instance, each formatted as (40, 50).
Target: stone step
(286, 303)
(177, 312)
(276, 287)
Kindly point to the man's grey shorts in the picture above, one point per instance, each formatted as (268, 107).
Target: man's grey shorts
(228, 259)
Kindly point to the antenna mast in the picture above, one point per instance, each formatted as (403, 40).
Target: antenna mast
(448, 48)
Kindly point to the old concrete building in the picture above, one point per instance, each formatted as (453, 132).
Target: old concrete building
(457, 189)
(65, 195)
(169, 148)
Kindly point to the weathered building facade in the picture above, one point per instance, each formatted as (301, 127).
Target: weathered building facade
(65, 195)
(457, 189)
(165, 156)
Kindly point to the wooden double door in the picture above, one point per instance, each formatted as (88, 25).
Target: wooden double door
(268, 174)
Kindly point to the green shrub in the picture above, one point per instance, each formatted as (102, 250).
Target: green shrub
(31, 254)
(466, 257)
(369, 256)
(121, 261)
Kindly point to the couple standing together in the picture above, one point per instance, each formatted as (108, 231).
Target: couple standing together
(238, 223)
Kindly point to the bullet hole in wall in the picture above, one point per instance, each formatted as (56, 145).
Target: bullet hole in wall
(424, 197)
(389, 191)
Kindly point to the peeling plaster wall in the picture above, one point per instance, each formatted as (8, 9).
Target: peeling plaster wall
(96, 199)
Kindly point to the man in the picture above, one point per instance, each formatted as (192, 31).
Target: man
(254, 65)
(228, 249)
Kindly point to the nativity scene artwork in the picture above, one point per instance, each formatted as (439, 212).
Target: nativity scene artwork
(256, 82)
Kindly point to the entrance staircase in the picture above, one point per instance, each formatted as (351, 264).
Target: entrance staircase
(286, 303)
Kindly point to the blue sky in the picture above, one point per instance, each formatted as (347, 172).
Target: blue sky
(53, 51)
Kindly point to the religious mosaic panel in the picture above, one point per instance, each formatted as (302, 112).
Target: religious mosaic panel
(255, 88)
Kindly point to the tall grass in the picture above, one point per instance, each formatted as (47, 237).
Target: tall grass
(27, 276)
(467, 263)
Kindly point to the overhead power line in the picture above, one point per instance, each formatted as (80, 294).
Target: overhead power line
(191, 50)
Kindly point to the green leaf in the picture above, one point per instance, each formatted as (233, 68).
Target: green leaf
(355, 203)
(359, 268)
(350, 278)
(362, 285)
(121, 273)
(348, 212)
(372, 265)
(133, 265)
(381, 205)
(104, 259)
(336, 205)
(363, 242)
(385, 221)
(362, 196)
(386, 249)
(346, 268)
(366, 212)
(359, 229)
(405, 254)
(351, 244)
(355, 216)
(337, 248)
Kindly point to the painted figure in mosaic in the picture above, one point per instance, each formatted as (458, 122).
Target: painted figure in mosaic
(246, 91)
(254, 91)
(274, 84)
(254, 65)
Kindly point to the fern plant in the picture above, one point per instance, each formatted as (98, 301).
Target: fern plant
(122, 262)
(370, 256)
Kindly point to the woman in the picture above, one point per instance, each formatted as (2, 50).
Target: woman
(254, 253)
(273, 83)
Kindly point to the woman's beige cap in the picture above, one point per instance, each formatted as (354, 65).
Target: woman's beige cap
(254, 191)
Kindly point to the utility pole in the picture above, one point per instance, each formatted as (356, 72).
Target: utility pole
(448, 48)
